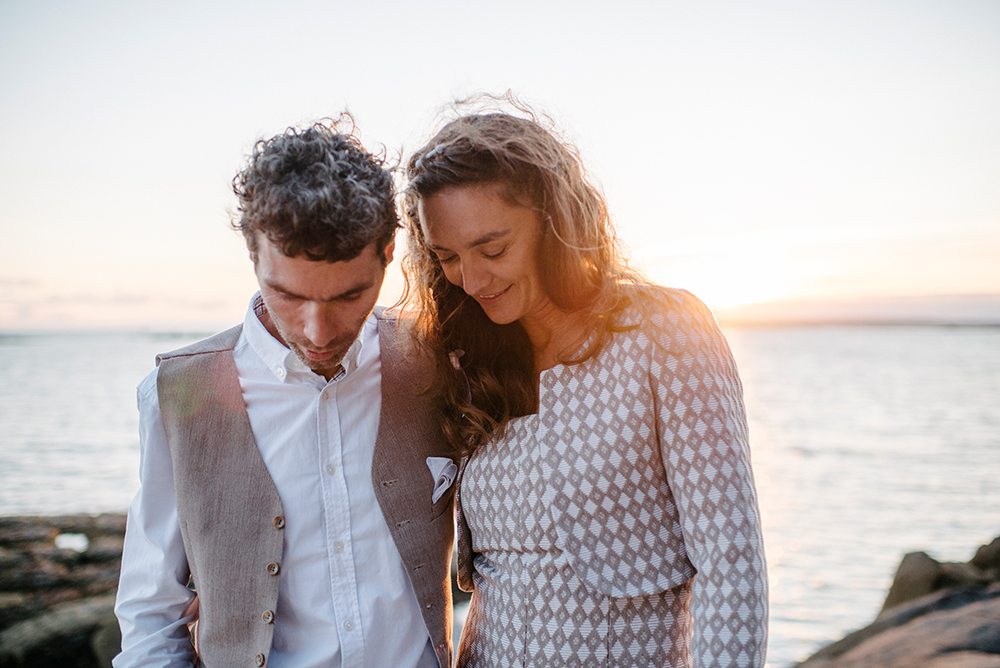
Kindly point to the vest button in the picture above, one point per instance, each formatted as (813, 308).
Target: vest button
(279, 521)
(259, 659)
(273, 568)
(267, 617)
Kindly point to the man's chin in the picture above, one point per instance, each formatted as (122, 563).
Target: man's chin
(324, 366)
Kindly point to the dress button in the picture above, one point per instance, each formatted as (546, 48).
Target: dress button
(279, 521)
(259, 659)
(273, 568)
(267, 616)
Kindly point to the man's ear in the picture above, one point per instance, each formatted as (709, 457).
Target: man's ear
(391, 246)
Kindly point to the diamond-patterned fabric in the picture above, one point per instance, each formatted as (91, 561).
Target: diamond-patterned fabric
(619, 525)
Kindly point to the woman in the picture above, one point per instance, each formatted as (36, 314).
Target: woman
(607, 513)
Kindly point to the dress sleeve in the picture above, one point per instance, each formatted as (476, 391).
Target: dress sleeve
(152, 590)
(703, 439)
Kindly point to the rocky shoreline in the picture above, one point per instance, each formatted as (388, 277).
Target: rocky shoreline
(58, 577)
(936, 615)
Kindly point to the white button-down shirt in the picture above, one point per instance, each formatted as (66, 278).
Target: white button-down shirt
(344, 597)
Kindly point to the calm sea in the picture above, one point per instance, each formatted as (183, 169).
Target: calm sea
(868, 442)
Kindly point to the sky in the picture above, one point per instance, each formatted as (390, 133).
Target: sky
(768, 156)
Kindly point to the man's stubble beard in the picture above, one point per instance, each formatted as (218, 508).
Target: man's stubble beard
(325, 369)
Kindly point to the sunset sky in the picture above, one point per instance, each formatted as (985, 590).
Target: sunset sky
(813, 154)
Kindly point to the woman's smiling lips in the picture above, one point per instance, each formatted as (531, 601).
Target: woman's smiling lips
(486, 299)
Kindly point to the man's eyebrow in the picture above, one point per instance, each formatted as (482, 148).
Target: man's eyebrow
(485, 239)
(350, 292)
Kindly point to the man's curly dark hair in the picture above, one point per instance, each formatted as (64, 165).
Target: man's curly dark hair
(316, 192)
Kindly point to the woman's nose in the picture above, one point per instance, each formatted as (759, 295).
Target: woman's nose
(474, 279)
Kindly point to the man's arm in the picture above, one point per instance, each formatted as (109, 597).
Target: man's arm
(152, 592)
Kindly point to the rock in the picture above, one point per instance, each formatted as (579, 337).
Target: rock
(916, 576)
(39, 572)
(948, 599)
(107, 641)
(104, 549)
(15, 606)
(988, 557)
(961, 575)
(15, 531)
(11, 560)
(112, 524)
(967, 635)
(60, 638)
(937, 615)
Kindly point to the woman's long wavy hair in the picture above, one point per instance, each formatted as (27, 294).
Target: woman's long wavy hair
(485, 372)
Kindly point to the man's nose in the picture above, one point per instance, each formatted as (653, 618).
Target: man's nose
(319, 325)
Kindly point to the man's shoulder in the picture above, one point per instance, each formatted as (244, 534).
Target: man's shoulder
(221, 342)
(387, 315)
(397, 330)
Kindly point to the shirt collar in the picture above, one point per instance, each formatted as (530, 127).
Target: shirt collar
(278, 358)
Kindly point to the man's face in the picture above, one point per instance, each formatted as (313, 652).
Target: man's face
(317, 308)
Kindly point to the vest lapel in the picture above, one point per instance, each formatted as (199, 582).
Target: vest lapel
(399, 470)
(408, 433)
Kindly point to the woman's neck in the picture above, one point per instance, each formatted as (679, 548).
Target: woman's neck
(554, 334)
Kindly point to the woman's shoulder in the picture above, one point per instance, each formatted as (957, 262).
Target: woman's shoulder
(674, 329)
(668, 322)
(660, 311)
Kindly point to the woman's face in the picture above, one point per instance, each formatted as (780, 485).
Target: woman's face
(487, 246)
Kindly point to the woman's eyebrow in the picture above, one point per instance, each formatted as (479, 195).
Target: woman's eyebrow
(485, 239)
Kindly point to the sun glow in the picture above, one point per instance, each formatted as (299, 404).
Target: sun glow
(749, 274)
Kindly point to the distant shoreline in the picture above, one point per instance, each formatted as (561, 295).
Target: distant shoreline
(766, 324)
(741, 323)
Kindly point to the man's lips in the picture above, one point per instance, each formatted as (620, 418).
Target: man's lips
(318, 356)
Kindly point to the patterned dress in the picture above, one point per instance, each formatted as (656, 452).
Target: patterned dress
(618, 526)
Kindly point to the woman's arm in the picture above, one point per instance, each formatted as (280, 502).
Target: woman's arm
(703, 439)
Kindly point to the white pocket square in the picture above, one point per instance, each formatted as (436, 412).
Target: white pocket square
(443, 472)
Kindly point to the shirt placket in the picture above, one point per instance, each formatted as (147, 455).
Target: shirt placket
(336, 505)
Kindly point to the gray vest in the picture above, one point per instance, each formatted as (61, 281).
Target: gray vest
(231, 518)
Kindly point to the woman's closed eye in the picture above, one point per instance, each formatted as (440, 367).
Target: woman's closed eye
(494, 254)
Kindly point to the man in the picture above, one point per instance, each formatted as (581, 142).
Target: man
(291, 467)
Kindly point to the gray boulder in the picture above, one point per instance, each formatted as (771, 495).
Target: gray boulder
(60, 638)
(935, 614)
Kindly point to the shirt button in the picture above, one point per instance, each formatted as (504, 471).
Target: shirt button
(279, 372)
(267, 617)
(349, 625)
(273, 568)
(330, 468)
(338, 546)
(279, 521)
(259, 659)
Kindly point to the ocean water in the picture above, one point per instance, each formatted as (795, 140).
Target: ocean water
(868, 442)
